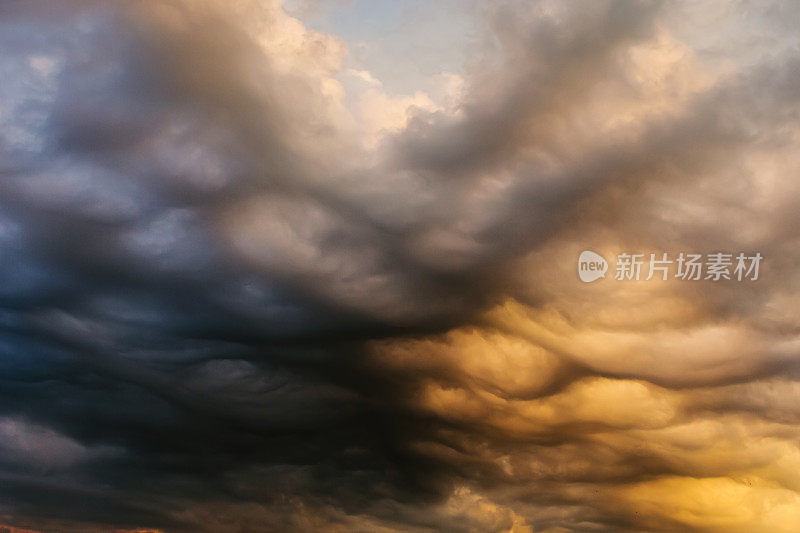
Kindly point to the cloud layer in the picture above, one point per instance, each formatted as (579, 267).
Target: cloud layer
(243, 288)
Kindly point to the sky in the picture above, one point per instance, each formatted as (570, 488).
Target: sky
(314, 266)
(405, 45)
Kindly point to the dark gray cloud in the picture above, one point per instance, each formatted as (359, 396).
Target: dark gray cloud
(221, 311)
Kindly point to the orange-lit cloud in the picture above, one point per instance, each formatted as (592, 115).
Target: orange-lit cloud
(245, 286)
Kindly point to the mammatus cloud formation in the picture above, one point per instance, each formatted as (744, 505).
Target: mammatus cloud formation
(244, 288)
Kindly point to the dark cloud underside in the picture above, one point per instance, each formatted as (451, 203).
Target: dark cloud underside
(226, 304)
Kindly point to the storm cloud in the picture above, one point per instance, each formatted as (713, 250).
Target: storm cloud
(240, 291)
